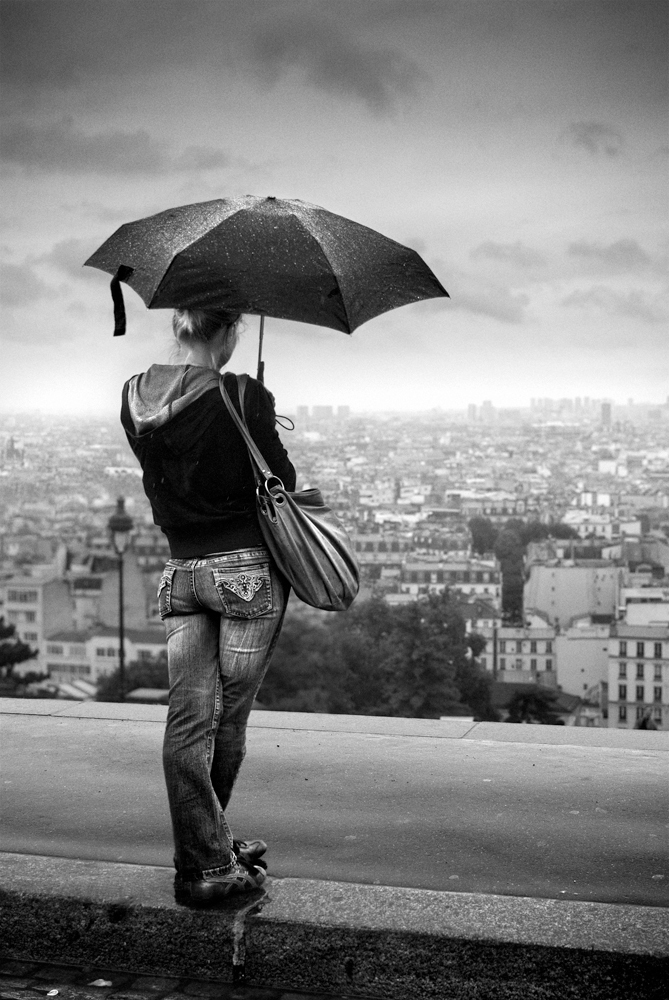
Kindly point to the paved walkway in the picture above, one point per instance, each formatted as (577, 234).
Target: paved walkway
(540, 811)
(35, 981)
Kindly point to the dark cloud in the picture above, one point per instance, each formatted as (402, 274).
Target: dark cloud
(636, 303)
(60, 145)
(333, 61)
(516, 254)
(624, 255)
(20, 285)
(69, 256)
(597, 138)
(498, 303)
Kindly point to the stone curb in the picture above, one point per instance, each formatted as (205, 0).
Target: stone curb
(324, 936)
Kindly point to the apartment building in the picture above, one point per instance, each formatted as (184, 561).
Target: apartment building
(71, 654)
(471, 577)
(524, 655)
(638, 682)
(36, 607)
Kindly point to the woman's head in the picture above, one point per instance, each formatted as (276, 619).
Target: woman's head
(209, 336)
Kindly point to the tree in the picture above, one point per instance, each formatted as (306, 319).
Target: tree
(149, 673)
(509, 549)
(12, 649)
(534, 706)
(413, 661)
(484, 535)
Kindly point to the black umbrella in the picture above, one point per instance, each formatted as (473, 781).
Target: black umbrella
(266, 256)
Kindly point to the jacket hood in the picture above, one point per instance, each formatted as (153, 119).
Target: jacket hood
(158, 395)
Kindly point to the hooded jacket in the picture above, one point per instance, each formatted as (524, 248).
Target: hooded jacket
(196, 469)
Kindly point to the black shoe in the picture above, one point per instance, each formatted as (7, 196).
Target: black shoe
(249, 852)
(201, 892)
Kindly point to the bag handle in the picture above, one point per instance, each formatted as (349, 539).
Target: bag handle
(257, 460)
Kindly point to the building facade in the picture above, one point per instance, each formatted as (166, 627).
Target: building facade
(638, 682)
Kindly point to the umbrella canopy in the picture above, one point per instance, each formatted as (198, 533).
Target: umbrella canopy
(268, 256)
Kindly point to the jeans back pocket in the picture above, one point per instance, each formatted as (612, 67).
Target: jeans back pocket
(246, 593)
(165, 591)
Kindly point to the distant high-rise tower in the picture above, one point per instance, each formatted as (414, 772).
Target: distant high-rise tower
(606, 414)
(343, 412)
(471, 413)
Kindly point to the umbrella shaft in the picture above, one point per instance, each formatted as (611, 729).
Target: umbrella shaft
(261, 363)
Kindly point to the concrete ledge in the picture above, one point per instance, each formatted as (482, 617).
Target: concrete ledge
(307, 934)
(629, 739)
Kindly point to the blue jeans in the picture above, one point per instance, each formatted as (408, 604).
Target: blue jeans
(222, 616)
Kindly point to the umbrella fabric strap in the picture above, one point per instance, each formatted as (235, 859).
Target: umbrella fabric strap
(122, 274)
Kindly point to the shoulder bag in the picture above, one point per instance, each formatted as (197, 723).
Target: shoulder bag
(307, 541)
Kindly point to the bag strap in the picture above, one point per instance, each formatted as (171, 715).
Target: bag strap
(258, 462)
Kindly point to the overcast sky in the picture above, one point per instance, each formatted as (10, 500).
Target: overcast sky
(519, 147)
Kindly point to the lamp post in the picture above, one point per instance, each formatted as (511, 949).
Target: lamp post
(120, 525)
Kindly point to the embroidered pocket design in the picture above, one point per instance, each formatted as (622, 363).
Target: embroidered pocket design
(243, 585)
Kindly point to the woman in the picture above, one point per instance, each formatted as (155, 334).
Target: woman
(220, 596)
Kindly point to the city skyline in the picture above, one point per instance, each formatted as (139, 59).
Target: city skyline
(520, 148)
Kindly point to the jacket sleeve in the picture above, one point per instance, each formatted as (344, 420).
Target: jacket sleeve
(261, 419)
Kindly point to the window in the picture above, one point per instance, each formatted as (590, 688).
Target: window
(30, 616)
(622, 692)
(549, 647)
(639, 712)
(502, 664)
(144, 655)
(111, 651)
(484, 662)
(640, 650)
(22, 596)
(639, 692)
(658, 651)
(657, 673)
(622, 670)
(657, 714)
(657, 694)
(382, 547)
(533, 646)
(54, 648)
(622, 713)
(549, 664)
(502, 645)
(30, 636)
(639, 671)
(519, 663)
(623, 648)
(100, 652)
(519, 645)
(533, 664)
(413, 577)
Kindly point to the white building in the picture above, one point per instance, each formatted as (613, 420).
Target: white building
(470, 577)
(639, 670)
(36, 607)
(526, 655)
(90, 655)
(563, 593)
(582, 652)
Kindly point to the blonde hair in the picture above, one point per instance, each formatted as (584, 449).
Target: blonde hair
(193, 326)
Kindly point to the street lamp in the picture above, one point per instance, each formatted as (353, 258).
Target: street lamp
(120, 525)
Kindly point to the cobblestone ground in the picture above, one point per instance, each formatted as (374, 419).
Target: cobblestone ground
(38, 981)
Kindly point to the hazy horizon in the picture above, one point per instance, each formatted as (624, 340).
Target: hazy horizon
(519, 147)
